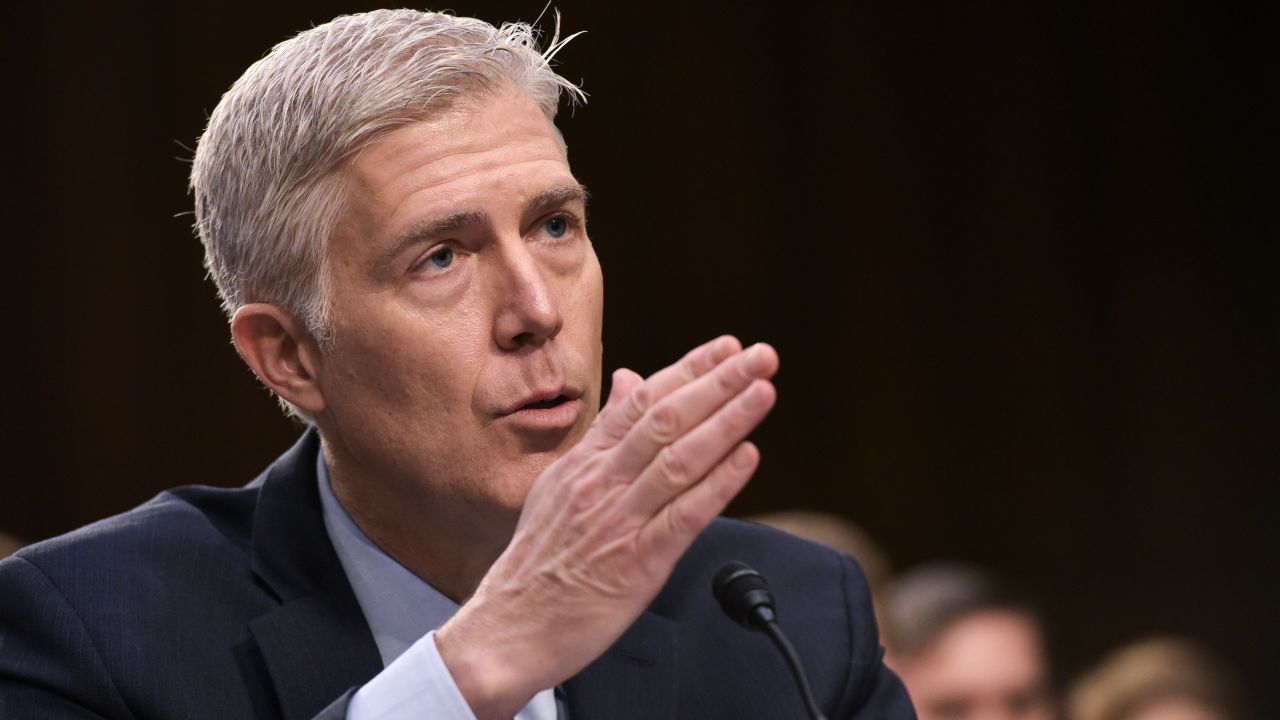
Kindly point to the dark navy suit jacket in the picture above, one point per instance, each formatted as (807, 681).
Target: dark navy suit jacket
(231, 603)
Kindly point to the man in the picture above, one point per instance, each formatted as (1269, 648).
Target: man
(389, 215)
(966, 647)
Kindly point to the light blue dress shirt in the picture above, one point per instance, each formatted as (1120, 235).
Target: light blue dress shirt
(403, 611)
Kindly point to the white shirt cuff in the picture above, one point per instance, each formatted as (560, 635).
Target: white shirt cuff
(415, 685)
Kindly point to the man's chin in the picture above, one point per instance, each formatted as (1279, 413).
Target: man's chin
(515, 468)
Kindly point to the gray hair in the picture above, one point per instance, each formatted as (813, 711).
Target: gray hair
(267, 191)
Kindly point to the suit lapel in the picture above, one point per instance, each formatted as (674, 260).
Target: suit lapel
(314, 652)
(316, 645)
(634, 680)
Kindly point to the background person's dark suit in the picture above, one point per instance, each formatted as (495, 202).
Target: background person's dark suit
(232, 604)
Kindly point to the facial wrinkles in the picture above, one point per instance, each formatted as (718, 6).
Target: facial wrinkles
(462, 164)
(445, 150)
(428, 366)
(466, 175)
(462, 310)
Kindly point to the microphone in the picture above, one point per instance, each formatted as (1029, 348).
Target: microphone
(744, 596)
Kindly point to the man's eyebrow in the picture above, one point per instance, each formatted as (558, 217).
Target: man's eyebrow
(555, 197)
(428, 230)
(433, 228)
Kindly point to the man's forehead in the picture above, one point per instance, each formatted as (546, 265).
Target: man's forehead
(501, 150)
(510, 120)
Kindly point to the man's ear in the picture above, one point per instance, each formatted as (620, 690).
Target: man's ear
(280, 352)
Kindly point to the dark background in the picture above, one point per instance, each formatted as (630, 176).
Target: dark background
(1020, 264)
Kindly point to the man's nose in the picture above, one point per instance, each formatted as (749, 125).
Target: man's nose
(527, 310)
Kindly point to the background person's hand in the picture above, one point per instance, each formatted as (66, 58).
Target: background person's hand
(603, 526)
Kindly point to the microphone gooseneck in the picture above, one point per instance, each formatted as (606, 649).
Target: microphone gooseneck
(744, 596)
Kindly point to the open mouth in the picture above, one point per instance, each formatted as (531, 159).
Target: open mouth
(544, 404)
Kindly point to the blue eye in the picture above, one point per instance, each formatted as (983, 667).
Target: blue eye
(441, 258)
(556, 227)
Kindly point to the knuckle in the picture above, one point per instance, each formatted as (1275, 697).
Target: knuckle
(664, 423)
(729, 379)
(745, 411)
(674, 468)
(690, 360)
(641, 399)
(583, 496)
(689, 369)
(680, 521)
(754, 400)
(734, 421)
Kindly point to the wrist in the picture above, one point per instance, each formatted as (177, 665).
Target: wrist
(483, 667)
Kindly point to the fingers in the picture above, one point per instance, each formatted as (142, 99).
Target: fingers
(621, 414)
(608, 432)
(696, 363)
(624, 381)
(668, 534)
(683, 464)
(689, 406)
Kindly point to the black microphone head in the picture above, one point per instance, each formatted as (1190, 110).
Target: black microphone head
(743, 594)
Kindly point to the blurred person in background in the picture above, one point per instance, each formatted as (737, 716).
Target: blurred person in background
(9, 545)
(839, 534)
(966, 646)
(1156, 679)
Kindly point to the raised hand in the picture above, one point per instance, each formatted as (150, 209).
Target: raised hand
(603, 526)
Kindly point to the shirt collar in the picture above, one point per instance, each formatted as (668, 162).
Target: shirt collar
(400, 607)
